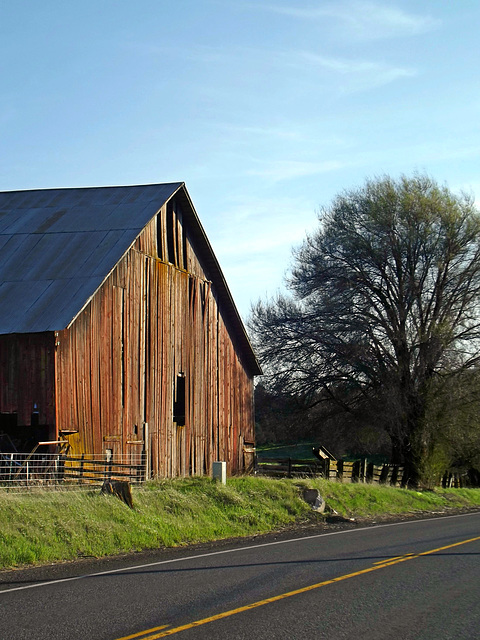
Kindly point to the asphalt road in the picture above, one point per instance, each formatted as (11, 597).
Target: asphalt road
(417, 579)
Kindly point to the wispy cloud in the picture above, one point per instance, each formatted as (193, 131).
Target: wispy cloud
(287, 132)
(254, 243)
(262, 225)
(280, 65)
(363, 20)
(358, 74)
(346, 66)
(294, 136)
(280, 170)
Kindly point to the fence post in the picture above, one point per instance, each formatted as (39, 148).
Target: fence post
(146, 451)
(108, 469)
(82, 467)
(60, 472)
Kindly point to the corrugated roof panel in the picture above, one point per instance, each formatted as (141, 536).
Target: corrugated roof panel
(18, 257)
(59, 304)
(81, 218)
(150, 193)
(17, 304)
(40, 198)
(23, 221)
(36, 263)
(3, 241)
(66, 254)
(76, 197)
(115, 196)
(8, 245)
(85, 196)
(58, 245)
(55, 215)
(129, 216)
(101, 261)
(9, 218)
(13, 199)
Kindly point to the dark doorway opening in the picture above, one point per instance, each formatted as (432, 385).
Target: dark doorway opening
(21, 438)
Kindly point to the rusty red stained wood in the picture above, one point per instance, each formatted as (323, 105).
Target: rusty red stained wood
(117, 364)
(27, 366)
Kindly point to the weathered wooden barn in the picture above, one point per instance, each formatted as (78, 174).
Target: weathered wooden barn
(118, 330)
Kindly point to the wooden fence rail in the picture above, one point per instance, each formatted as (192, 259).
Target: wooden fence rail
(348, 471)
(288, 467)
(87, 470)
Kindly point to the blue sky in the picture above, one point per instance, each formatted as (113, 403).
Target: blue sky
(265, 109)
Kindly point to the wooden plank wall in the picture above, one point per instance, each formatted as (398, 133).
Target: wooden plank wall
(27, 376)
(156, 316)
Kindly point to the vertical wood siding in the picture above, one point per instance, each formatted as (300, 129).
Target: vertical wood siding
(156, 316)
(27, 376)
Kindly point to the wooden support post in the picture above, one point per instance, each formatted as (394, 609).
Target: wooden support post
(108, 467)
(146, 451)
(82, 464)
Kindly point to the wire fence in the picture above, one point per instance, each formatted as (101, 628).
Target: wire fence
(25, 470)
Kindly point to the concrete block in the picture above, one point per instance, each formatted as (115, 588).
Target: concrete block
(220, 472)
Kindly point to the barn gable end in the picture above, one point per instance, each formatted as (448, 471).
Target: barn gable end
(155, 358)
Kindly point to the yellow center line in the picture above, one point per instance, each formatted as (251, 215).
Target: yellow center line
(142, 633)
(289, 594)
(406, 555)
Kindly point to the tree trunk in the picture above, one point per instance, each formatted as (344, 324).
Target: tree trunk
(414, 446)
(417, 452)
(398, 449)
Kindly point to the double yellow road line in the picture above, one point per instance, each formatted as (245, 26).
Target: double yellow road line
(164, 631)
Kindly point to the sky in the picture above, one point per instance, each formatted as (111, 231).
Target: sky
(265, 109)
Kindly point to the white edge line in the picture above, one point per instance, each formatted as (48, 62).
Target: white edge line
(225, 551)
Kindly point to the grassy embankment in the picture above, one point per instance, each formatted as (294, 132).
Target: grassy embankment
(43, 527)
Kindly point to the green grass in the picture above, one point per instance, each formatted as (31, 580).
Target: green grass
(42, 527)
(362, 500)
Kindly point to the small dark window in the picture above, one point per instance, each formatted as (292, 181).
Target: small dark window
(181, 237)
(179, 402)
(35, 417)
(184, 247)
(160, 240)
(170, 233)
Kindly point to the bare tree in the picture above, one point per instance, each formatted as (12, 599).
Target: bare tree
(385, 297)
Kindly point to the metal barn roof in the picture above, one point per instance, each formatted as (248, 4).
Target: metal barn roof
(57, 246)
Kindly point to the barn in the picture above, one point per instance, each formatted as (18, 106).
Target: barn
(118, 331)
